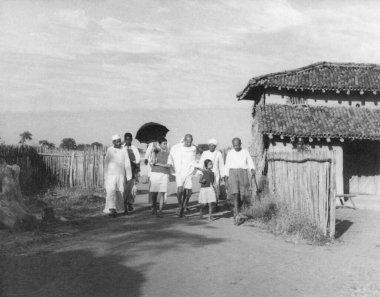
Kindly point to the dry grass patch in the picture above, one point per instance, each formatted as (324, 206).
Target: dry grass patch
(280, 219)
(74, 200)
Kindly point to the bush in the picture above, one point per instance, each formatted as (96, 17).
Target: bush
(296, 224)
(263, 210)
(280, 219)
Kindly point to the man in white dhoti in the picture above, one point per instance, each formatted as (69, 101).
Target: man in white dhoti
(182, 159)
(217, 159)
(117, 169)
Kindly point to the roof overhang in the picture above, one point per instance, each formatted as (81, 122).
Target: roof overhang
(319, 77)
(319, 121)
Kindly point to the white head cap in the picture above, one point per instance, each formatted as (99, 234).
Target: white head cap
(213, 141)
(116, 137)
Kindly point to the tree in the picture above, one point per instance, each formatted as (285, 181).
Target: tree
(98, 144)
(25, 136)
(68, 143)
(83, 146)
(46, 143)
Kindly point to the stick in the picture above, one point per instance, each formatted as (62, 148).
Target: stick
(257, 187)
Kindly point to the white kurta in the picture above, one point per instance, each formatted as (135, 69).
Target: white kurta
(117, 167)
(183, 160)
(235, 160)
(217, 160)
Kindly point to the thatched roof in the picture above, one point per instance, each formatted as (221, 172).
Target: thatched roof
(318, 77)
(319, 121)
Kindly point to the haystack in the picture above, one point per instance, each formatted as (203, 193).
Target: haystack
(13, 213)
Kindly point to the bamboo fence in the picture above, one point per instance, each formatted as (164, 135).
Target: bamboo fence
(305, 181)
(42, 167)
(73, 168)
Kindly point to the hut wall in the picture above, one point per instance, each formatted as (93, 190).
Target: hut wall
(362, 167)
(330, 99)
(304, 180)
(357, 165)
(282, 146)
(257, 149)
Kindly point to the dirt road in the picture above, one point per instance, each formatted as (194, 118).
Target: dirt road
(142, 255)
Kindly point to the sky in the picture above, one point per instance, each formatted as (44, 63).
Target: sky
(128, 62)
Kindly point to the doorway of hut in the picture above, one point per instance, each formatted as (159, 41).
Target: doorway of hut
(361, 167)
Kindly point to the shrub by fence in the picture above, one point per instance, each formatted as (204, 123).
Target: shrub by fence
(305, 181)
(34, 176)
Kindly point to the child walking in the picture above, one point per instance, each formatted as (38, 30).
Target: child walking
(207, 194)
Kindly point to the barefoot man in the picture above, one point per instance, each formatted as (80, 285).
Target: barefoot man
(238, 163)
(134, 157)
(182, 158)
(117, 169)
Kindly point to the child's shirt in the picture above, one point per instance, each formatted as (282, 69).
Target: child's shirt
(209, 177)
(162, 158)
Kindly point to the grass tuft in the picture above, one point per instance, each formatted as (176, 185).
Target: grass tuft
(280, 219)
(74, 199)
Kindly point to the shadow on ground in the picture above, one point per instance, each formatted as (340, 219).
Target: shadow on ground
(74, 273)
(99, 257)
(341, 226)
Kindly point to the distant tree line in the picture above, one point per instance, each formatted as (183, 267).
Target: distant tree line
(70, 144)
(66, 143)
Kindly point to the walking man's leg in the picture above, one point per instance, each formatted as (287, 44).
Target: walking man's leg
(180, 198)
(161, 203)
(154, 201)
(217, 193)
(187, 194)
(125, 198)
(236, 207)
(131, 197)
(245, 189)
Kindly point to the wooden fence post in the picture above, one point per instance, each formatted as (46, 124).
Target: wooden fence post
(332, 196)
(71, 169)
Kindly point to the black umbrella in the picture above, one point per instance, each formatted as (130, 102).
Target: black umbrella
(150, 132)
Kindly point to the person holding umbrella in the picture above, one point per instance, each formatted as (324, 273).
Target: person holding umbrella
(149, 133)
(159, 177)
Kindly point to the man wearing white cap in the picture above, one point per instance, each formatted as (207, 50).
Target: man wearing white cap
(217, 159)
(117, 169)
